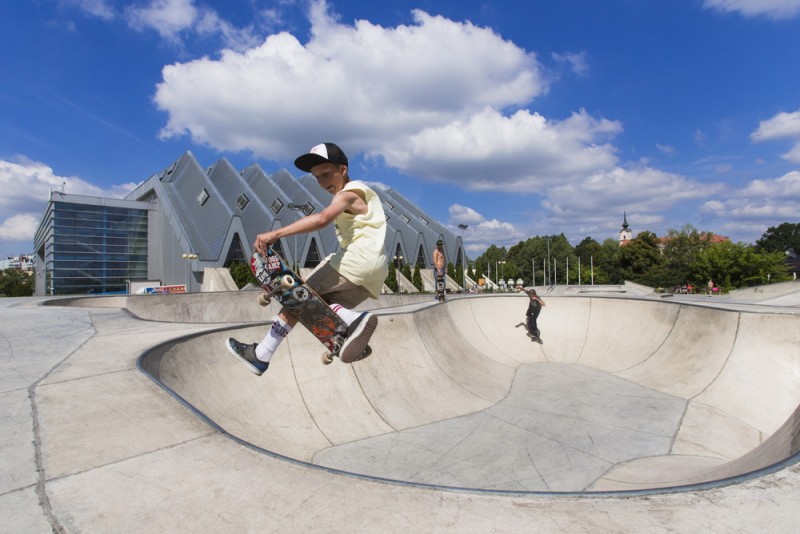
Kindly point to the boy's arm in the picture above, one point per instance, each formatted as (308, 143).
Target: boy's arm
(341, 201)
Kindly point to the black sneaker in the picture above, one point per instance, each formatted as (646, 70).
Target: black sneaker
(356, 346)
(247, 355)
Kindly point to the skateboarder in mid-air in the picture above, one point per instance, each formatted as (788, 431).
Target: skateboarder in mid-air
(344, 279)
(534, 308)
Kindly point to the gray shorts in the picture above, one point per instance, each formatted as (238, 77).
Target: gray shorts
(335, 288)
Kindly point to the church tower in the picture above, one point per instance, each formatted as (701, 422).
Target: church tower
(625, 235)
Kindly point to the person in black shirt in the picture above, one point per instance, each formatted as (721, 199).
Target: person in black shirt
(534, 308)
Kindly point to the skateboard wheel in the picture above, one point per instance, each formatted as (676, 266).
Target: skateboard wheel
(301, 294)
(327, 358)
(287, 281)
(264, 300)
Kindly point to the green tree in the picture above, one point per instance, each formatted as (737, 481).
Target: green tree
(735, 265)
(607, 268)
(486, 263)
(241, 274)
(15, 283)
(391, 278)
(680, 249)
(589, 251)
(406, 270)
(417, 279)
(640, 260)
(782, 238)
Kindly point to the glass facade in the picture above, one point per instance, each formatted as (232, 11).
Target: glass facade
(94, 249)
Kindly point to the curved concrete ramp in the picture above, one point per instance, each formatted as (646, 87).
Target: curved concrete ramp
(623, 395)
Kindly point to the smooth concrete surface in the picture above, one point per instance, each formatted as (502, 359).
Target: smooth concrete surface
(666, 395)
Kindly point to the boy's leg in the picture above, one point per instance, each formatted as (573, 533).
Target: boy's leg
(256, 356)
(343, 295)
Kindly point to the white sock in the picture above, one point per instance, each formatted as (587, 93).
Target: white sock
(270, 343)
(348, 316)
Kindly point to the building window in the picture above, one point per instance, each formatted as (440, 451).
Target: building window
(95, 249)
(276, 206)
(242, 201)
(202, 196)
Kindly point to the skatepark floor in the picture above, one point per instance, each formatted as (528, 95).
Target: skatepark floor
(635, 414)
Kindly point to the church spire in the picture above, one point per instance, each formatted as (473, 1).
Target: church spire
(625, 235)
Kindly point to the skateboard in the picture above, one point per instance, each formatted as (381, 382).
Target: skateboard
(440, 292)
(535, 335)
(279, 281)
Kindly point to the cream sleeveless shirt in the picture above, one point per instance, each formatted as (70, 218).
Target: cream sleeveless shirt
(361, 257)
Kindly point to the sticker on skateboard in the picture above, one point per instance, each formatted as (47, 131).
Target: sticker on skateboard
(440, 287)
(279, 281)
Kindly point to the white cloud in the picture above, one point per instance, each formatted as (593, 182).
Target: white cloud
(96, 8)
(20, 227)
(521, 153)
(26, 187)
(167, 17)
(774, 9)
(464, 215)
(649, 189)
(364, 85)
(787, 187)
(171, 18)
(577, 62)
(482, 232)
(748, 211)
(666, 149)
(781, 126)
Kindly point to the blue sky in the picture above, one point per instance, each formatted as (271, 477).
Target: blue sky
(517, 118)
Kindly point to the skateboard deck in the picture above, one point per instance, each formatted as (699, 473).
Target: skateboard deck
(279, 281)
(535, 335)
(440, 287)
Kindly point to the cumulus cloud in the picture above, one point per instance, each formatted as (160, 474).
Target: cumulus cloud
(464, 215)
(172, 19)
(774, 9)
(521, 153)
(364, 85)
(26, 187)
(482, 232)
(781, 126)
(761, 203)
(19, 227)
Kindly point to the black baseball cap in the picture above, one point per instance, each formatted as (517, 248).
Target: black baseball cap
(322, 153)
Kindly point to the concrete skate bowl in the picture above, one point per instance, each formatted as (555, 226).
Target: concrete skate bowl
(624, 396)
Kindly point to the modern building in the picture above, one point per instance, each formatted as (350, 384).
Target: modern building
(187, 218)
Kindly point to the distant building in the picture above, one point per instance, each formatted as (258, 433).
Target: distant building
(188, 218)
(625, 235)
(21, 263)
(709, 237)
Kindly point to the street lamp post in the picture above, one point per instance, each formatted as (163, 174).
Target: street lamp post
(189, 257)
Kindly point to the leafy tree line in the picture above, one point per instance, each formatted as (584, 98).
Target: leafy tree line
(686, 256)
(15, 283)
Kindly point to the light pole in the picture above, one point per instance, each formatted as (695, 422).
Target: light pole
(189, 257)
(306, 208)
(463, 227)
(502, 266)
(549, 278)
